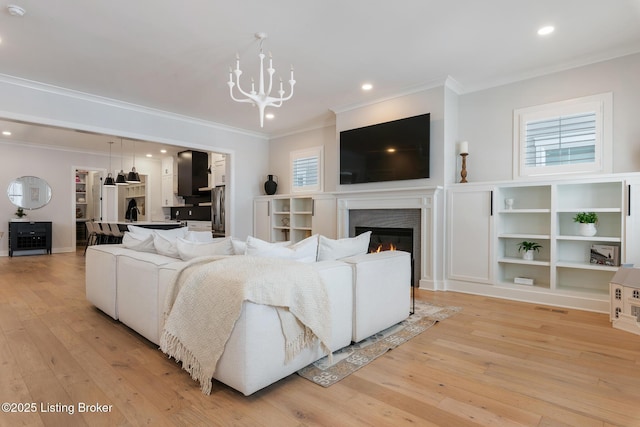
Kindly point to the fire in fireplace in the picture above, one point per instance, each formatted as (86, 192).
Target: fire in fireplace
(389, 238)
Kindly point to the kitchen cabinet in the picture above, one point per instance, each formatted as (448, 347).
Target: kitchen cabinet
(169, 184)
(192, 172)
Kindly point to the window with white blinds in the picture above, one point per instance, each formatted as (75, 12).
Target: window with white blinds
(561, 140)
(306, 167)
(564, 137)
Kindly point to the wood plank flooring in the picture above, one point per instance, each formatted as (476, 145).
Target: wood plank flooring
(497, 363)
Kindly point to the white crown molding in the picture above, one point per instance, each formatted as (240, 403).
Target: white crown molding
(34, 145)
(87, 97)
(310, 128)
(514, 78)
(454, 85)
(408, 91)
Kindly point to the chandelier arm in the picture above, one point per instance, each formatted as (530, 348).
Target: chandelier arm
(231, 85)
(237, 84)
(282, 99)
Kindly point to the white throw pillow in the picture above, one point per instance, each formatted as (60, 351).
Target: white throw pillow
(188, 249)
(142, 231)
(173, 233)
(330, 250)
(239, 247)
(200, 236)
(304, 251)
(165, 245)
(138, 242)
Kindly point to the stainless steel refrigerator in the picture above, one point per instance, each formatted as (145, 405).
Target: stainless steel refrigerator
(217, 211)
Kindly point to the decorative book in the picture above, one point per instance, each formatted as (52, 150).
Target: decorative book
(605, 255)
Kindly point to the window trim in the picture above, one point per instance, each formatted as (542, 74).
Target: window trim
(307, 152)
(602, 104)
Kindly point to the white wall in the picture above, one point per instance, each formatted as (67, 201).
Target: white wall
(281, 147)
(37, 103)
(486, 117)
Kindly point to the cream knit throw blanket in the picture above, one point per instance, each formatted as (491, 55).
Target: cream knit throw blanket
(206, 299)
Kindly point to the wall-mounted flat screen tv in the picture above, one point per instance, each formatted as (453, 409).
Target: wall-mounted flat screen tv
(391, 151)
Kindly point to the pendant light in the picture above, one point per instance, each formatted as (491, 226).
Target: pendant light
(121, 179)
(109, 179)
(133, 177)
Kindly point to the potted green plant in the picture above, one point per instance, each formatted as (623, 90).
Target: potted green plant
(527, 249)
(587, 223)
(20, 213)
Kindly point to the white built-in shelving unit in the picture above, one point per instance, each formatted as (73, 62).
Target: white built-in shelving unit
(294, 218)
(543, 213)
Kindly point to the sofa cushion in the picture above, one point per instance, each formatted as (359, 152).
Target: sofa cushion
(138, 242)
(192, 249)
(330, 250)
(303, 251)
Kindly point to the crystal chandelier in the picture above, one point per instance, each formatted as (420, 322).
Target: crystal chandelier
(261, 98)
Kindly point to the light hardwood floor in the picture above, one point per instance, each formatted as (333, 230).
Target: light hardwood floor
(497, 363)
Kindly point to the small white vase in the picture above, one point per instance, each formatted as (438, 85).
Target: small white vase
(528, 255)
(587, 229)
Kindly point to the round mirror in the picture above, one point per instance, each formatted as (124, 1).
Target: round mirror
(29, 192)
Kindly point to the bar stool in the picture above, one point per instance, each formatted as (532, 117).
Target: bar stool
(116, 234)
(92, 236)
(102, 231)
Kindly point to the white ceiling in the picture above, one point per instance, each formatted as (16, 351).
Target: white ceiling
(175, 56)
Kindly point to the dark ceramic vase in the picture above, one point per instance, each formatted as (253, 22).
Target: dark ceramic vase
(270, 185)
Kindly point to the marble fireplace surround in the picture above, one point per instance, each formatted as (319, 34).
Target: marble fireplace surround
(407, 200)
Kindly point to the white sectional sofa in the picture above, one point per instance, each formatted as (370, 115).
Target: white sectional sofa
(367, 293)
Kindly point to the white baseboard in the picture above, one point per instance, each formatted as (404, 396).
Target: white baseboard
(531, 294)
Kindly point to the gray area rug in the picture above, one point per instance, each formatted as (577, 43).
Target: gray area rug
(349, 359)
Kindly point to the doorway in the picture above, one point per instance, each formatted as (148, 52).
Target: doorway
(87, 200)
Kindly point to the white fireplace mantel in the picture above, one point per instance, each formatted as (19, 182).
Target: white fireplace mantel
(424, 199)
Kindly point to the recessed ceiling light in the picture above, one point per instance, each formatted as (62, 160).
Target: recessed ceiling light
(545, 31)
(6, 133)
(149, 155)
(163, 151)
(15, 10)
(391, 150)
(269, 116)
(367, 86)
